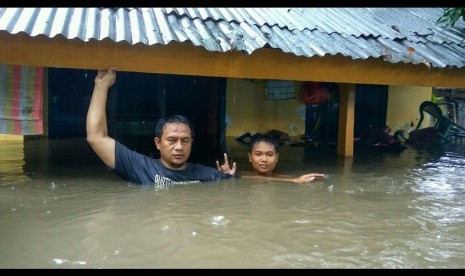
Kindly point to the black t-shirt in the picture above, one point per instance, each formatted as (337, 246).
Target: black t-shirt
(138, 168)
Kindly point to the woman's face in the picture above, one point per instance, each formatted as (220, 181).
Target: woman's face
(263, 158)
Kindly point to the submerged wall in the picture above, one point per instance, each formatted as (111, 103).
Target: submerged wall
(403, 106)
(248, 110)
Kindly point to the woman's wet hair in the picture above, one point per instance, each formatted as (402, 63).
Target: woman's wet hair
(263, 138)
(171, 119)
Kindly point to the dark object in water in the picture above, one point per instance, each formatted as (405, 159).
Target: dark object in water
(377, 138)
(442, 125)
(424, 136)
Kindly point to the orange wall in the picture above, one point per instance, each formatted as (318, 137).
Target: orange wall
(403, 105)
(248, 110)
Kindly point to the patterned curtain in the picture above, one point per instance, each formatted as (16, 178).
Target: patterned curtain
(21, 99)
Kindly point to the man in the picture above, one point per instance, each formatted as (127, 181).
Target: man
(173, 138)
(264, 155)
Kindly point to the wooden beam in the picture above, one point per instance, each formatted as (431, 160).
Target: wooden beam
(345, 141)
(186, 59)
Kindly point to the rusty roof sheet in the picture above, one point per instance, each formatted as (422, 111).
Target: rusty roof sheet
(408, 35)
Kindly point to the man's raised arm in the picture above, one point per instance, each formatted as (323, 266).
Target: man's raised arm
(96, 123)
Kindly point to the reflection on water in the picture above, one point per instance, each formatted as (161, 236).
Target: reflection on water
(12, 161)
(383, 210)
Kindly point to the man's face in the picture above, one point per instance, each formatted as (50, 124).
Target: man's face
(263, 158)
(175, 145)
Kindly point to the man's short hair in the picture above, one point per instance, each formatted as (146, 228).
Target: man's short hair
(171, 119)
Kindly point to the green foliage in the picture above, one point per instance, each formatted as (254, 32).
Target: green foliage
(451, 15)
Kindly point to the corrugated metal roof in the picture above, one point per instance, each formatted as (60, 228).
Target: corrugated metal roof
(408, 35)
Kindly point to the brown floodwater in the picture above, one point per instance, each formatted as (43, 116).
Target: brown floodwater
(61, 208)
